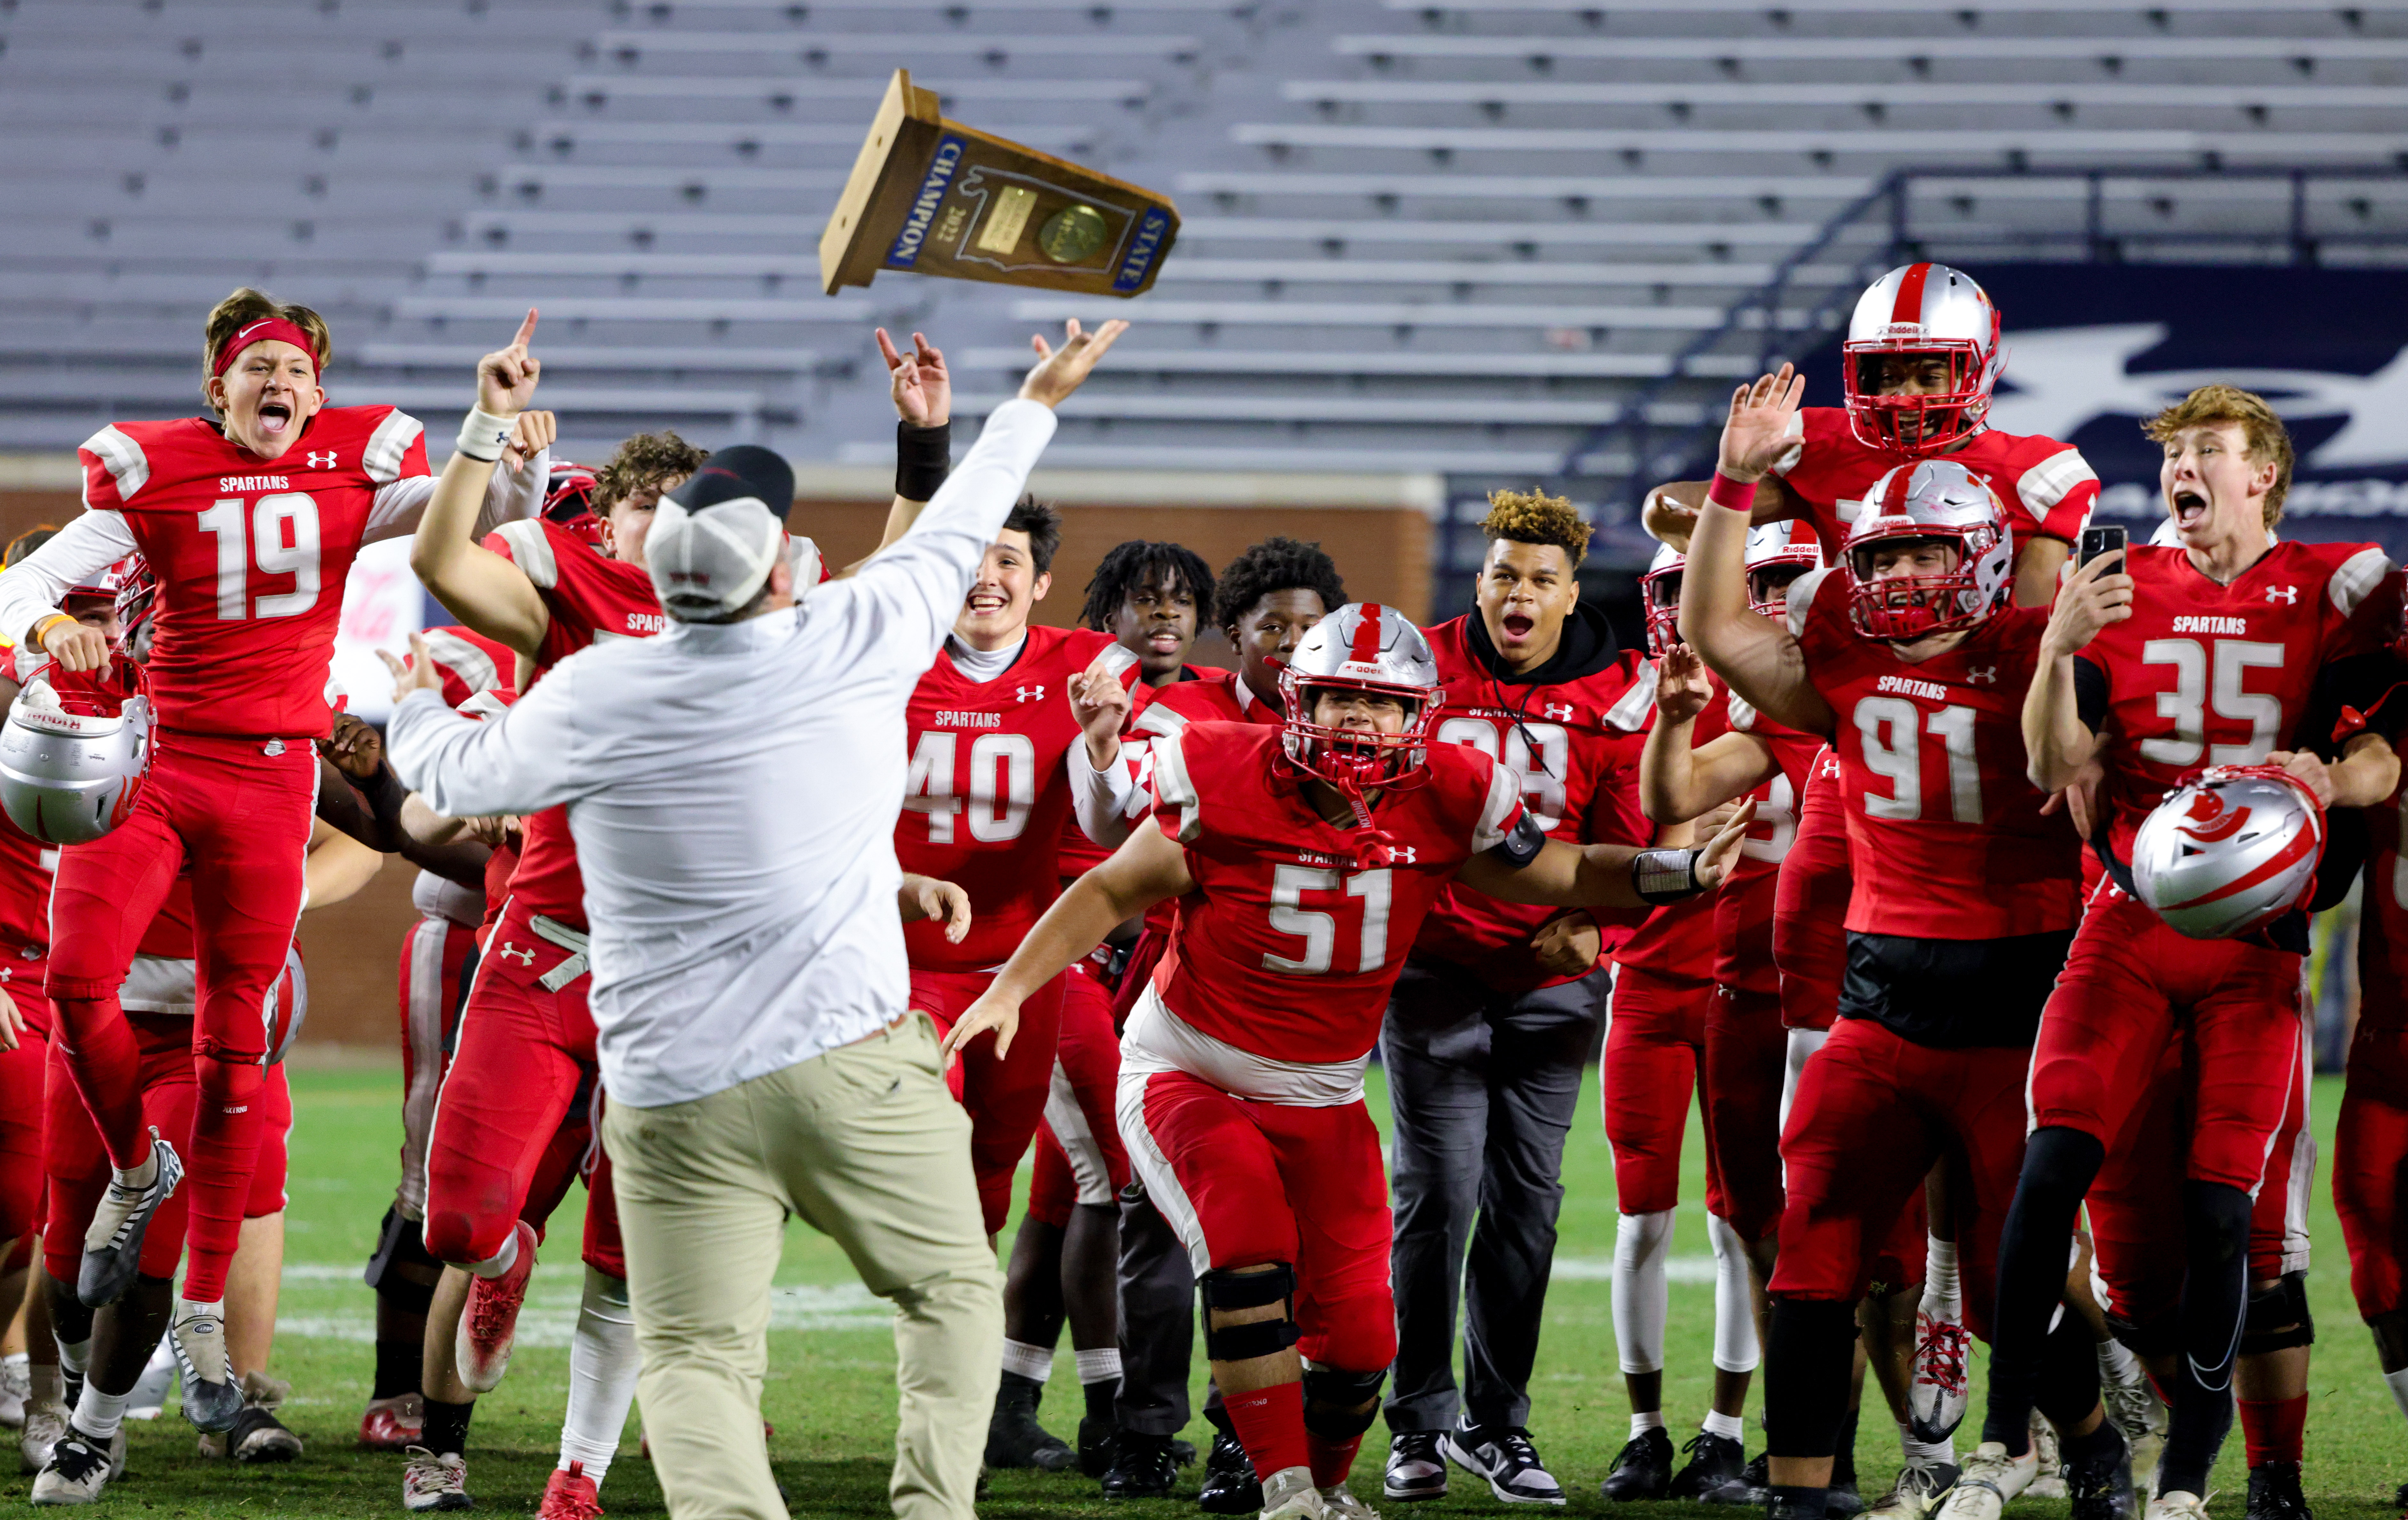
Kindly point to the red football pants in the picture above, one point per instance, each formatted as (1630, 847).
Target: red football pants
(1654, 1056)
(1810, 907)
(1246, 1183)
(1005, 1098)
(1747, 1058)
(2371, 1168)
(1080, 1158)
(518, 1107)
(2131, 988)
(234, 814)
(433, 955)
(1873, 1112)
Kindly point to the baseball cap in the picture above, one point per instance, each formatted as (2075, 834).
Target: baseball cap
(714, 538)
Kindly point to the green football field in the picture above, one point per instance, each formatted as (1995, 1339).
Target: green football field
(831, 1395)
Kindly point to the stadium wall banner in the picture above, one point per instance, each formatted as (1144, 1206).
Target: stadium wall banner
(2093, 348)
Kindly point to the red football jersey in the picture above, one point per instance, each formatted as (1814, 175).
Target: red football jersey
(1743, 906)
(1946, 836)
(2382, 932)
(2208, 675)
(1079, 854)
(251, 556)
(1283, 949)
(591, 597)
(1834, 470)
(1676, 943)
(26, 867)
(1573, 746)
(470, 662)
(986, 797)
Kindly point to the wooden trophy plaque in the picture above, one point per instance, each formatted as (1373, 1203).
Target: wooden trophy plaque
(937, 197)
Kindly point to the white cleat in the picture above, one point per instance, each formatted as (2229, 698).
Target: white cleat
(2178, 1506)
(1289, 1495)
(45, 1424)
(16, 1389)
(1937, 1393)
(80, 1468)
(2134, 1408)
(435, 1482)
(1338, 1503)
(2050, 1483)
(112, 1246)
(1988, 1479)
(1916, 1493)
(213, 1397)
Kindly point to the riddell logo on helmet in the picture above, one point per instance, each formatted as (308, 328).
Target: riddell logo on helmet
(1904, 329)
(1367, 668)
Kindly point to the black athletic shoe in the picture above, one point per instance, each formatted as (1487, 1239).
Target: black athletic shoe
(2100, 1488)
(1642, 1470)
(112, 1244)
(1503, 1455)
(1416, 1469)
(1182, 1453)
(1842, 1500)
(1751, 1486)
(1230, 1487)
(1141, 1466)
(1014, 1437)
(2273, 1493)
(1095, 1446)
(1714, 1462)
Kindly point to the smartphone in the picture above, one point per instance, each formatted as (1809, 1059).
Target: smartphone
(2103, 540)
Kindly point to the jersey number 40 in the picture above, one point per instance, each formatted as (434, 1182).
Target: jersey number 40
(997, 795)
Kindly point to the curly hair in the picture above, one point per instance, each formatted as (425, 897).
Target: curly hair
(2214, 406)
(247, 306)
(1533, 517)
(1042, 522)
(1277, 564)
(649, 462)
(1139, 562)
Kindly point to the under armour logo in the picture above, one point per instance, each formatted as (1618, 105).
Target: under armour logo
(1402, 854)
(525, 957)
(1030, 694)
(1986, 676)
(272, 748)
(2284, 594)
(1561, 712)
(323, 460)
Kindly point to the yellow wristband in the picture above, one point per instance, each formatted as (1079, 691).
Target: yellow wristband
(43, 627)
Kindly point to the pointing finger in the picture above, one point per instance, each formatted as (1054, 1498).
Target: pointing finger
(886, 350)
(526, 330)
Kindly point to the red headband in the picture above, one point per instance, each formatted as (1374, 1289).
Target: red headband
(262, 331)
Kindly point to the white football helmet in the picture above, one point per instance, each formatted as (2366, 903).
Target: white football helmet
(1933, 499)
(2230, 852)
(1659, 598)
(1362, 647)
(76, 752)
(1921, 309)
(1778, 553)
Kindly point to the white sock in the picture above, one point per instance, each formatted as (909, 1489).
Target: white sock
(19, 1362)
(141, 1176)
(1922, 1452)
(2398, 1382)
(1641, 1423)
(1942, 1297)
(1728, 1426)
(1098, 1366)
(2117, 1365)
(1802, 1043)
(500, 1261)
(75, 1357)
(1735, 1348)
(602, 1366)
(1642, 1296)
(1035, 1363)
(98, 1414)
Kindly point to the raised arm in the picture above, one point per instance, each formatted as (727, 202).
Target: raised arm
(923, 392)
(2057, 742)
(480, 588)
(1677, 782)
(1670, 513)
(1564, 875)
(519, 763)
(1757, 657)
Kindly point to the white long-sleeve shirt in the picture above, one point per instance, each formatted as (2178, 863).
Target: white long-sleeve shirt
(733, 790)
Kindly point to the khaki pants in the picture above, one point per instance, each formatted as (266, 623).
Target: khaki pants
(865, 1144)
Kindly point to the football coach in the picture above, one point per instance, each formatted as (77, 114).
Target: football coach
(732, 785)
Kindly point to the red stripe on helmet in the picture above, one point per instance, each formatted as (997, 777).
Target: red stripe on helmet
(2303, 844)
(1367, 636)
(1909, 305)
(1901, 485)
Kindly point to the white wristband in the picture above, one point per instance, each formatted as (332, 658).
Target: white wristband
(482, 435)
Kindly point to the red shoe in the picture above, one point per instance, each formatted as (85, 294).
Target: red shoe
(390, 1424)
(490, 1322)
(570, 1495)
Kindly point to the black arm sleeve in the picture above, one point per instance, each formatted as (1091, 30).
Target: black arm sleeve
(1522, 843)
(2089, 694)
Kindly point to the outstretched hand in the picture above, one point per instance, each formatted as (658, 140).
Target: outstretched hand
(922, 388)
(1682, 688)
(1722, 850)
(506, 377)
(1757, 433)
(1060, 371)
(927, 897)
(988, 1013)
(419, 675)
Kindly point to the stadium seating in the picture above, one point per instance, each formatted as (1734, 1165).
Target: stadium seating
(1458, 234)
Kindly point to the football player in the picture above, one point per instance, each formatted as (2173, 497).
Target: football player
(251, 523)
(1910, 657)
(2371, 1146)
(1496, 1009)
(2155, 663)
(1304, 859)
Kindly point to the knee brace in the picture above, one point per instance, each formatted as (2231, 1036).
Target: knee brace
(1642, 1298)
(1340, 1406)
(2159, 1335)
(2278, 1316)
(401, 1270)
(1224, 1289)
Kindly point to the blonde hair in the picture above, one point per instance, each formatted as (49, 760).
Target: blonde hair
(247, 306)
(1533, 517)
(2215, 405)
